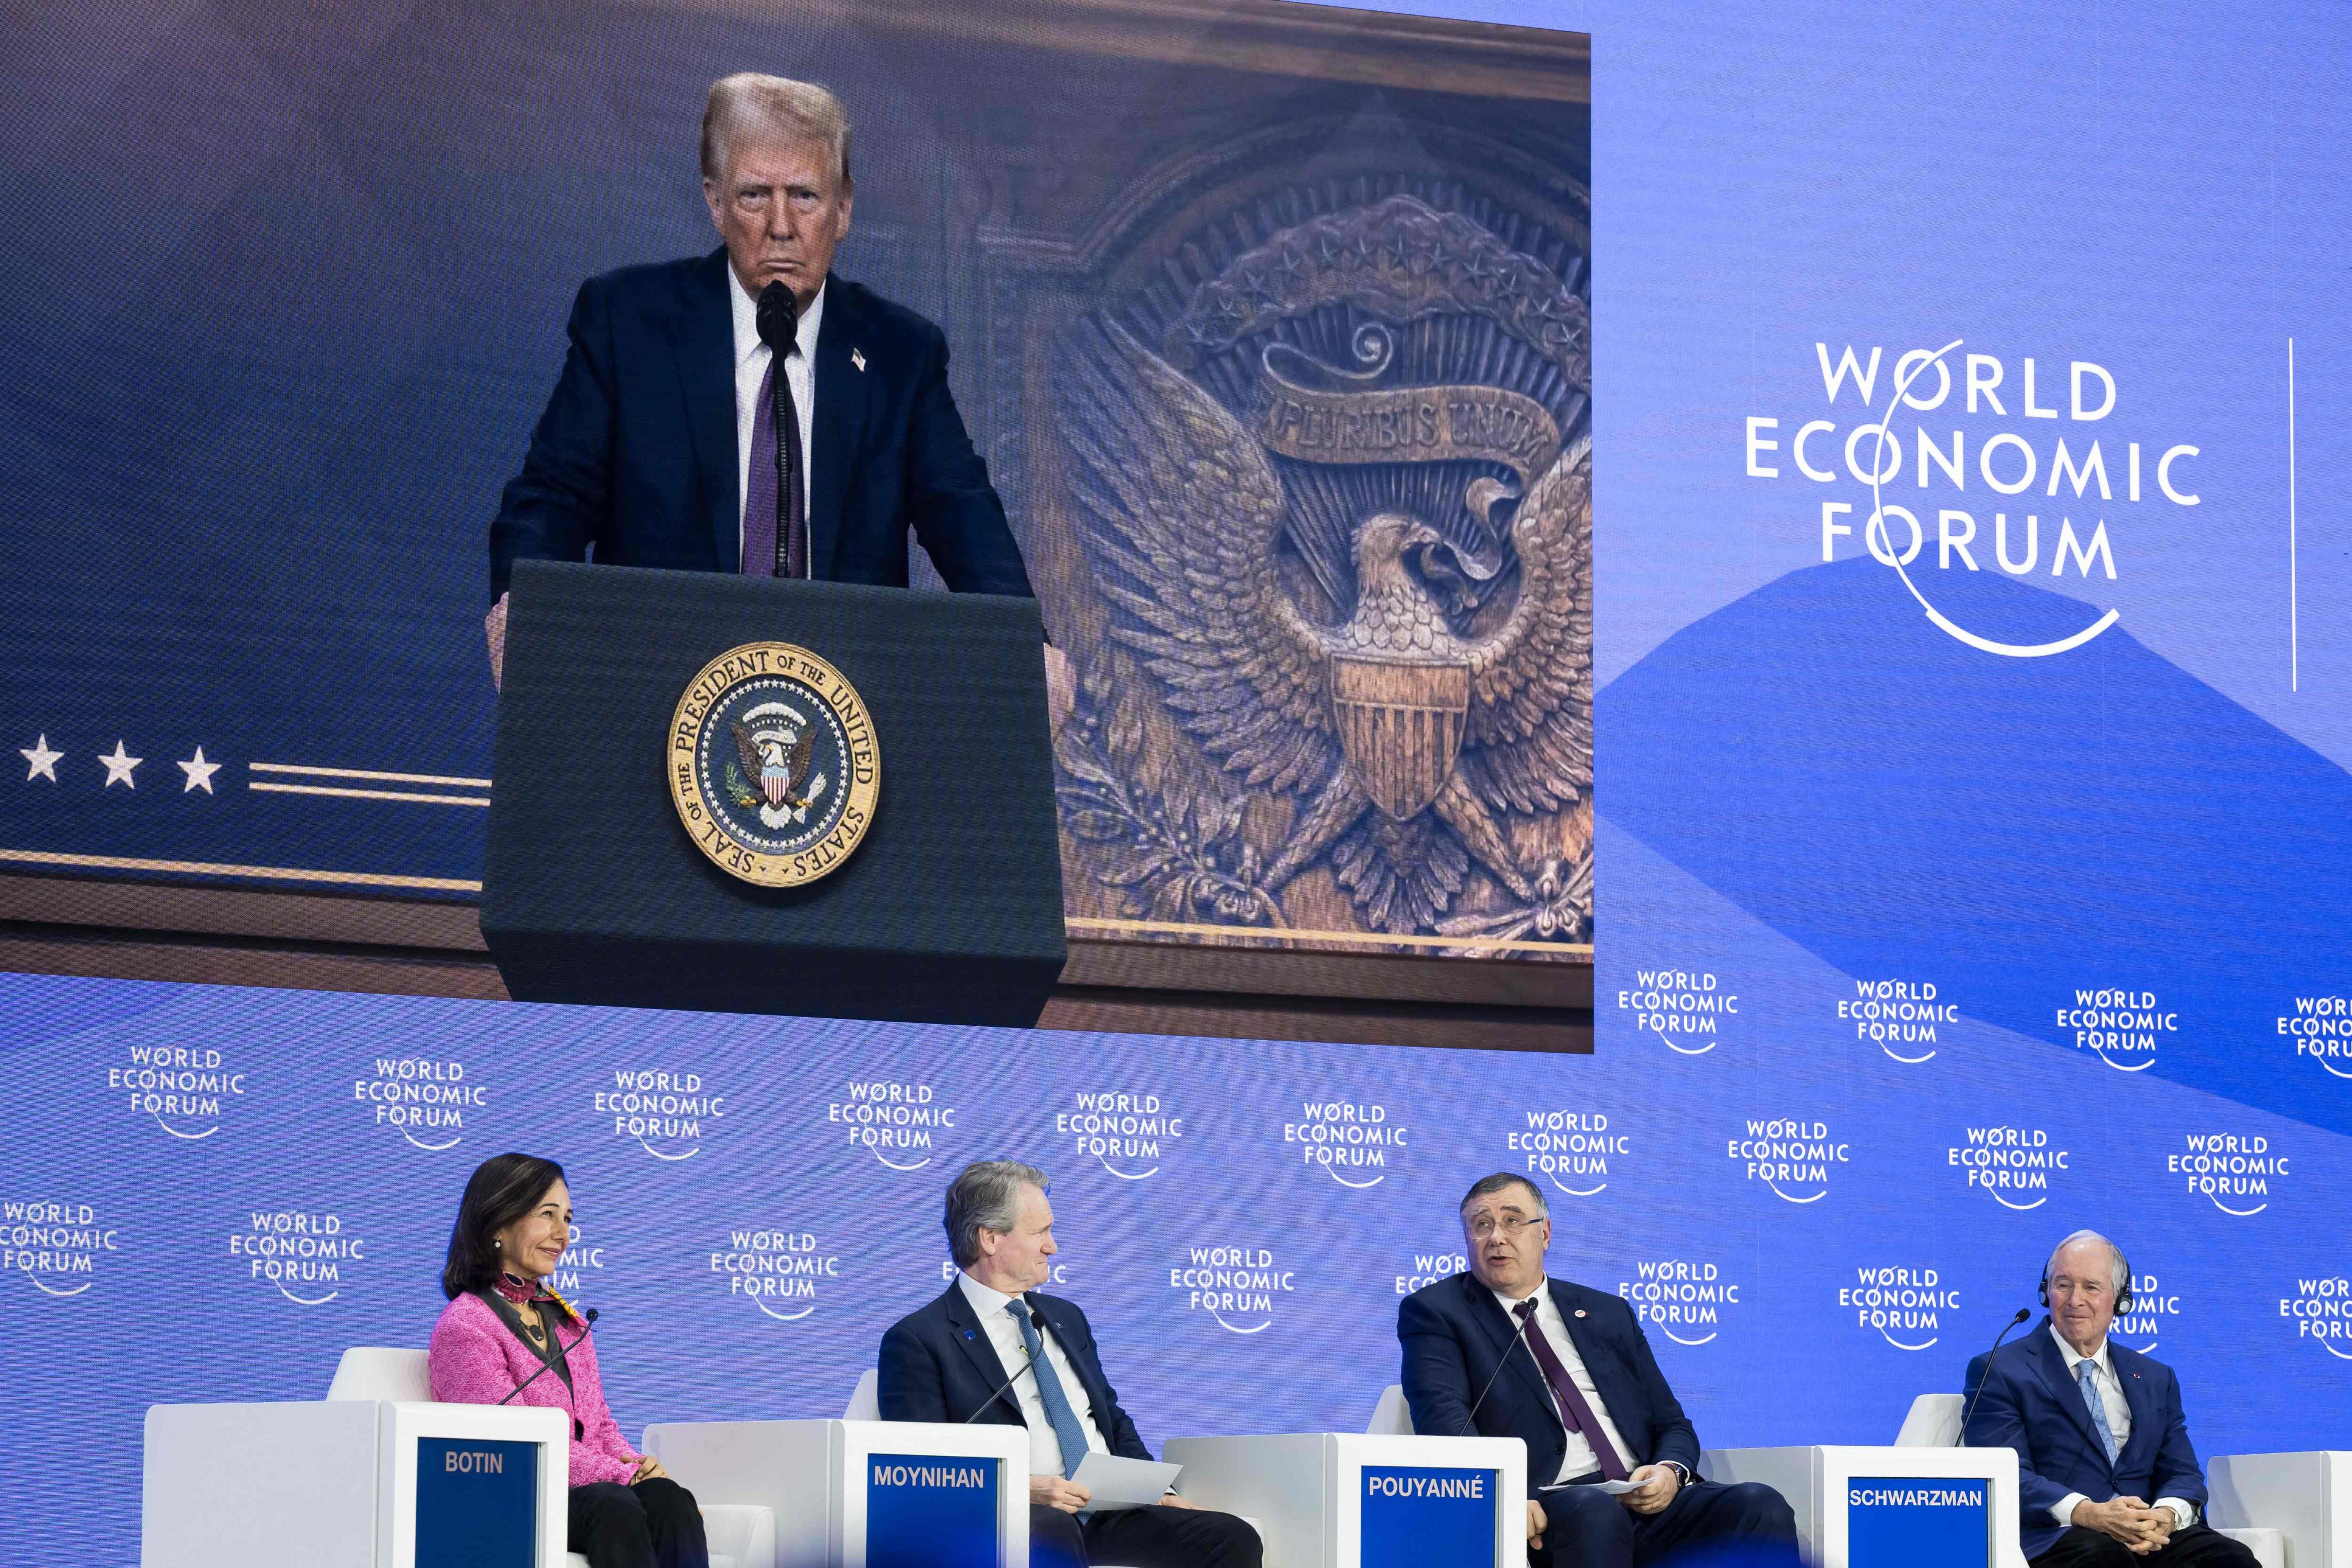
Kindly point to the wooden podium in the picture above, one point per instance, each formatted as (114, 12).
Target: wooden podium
(948, 911)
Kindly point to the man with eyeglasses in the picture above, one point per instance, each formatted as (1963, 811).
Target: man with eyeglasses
(1504, 1352)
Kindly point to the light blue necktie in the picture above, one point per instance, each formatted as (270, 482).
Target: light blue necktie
(1067, 1430)
(2086, 1374)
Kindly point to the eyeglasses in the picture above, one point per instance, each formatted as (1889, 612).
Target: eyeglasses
(1510, 1226)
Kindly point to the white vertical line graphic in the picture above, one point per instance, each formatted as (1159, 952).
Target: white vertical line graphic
(2294, 636)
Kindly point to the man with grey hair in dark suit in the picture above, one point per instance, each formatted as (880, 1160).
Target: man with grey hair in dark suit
(995, 1348)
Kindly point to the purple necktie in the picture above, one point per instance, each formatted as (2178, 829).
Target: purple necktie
(1572, 1398)
(775, 478)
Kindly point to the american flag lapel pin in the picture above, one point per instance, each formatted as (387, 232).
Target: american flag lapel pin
(857, 358)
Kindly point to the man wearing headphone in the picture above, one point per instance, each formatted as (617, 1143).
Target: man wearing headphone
(2098, 1429)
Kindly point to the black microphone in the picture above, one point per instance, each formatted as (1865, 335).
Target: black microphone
(588, 1326)
(1517, 1335)
(779, 319)
(1037, 1320)
(2022, 1313)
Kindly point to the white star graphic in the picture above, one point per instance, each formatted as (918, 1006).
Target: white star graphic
(200, 773)
(118, 768)
(44, 761)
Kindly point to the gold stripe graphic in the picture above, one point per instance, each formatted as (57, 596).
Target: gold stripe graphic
(215, 868)
(481, 800)
(365, 774)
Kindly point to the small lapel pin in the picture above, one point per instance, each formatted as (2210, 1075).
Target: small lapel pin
(857, 358)
(1580, 1311)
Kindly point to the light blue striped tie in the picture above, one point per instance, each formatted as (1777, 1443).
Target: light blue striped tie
(1067, 1430)
(2086, 1372)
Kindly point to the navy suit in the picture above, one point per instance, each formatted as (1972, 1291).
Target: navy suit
(1458, 1339)
(939, 1365)
(2022, 1397)
(636, 454)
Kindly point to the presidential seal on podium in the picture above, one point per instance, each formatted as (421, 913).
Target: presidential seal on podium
(773, 764)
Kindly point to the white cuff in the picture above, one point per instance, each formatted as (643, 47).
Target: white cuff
(2063, 1510)
(2184, 1512)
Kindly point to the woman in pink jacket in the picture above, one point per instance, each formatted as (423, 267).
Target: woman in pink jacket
(504, 1332)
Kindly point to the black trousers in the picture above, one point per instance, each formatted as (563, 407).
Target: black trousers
(2195, 1547)
(651, 1525)
(1154, 1537)
(1586, 1528)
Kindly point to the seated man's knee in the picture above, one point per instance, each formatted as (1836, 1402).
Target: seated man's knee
(1055, 1540)
(1587, 1511)
(1765, 1513)
(1239, 1539)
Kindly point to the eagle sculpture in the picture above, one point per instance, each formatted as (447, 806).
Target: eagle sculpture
(1393, 711)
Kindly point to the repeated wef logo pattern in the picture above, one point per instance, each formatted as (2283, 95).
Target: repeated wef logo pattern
(757, 1199)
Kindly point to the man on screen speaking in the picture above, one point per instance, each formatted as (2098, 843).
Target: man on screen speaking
(746, 411)
(1503, 1351)
(2098, 1430)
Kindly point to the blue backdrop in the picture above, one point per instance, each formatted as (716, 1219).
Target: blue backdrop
(758, 1199)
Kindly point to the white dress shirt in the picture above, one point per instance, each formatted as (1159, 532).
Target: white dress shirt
(752, 357)
(2119, 1422)
(1579, 1458)
(1044, 1445)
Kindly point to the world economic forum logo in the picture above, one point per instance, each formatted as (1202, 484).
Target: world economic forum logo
(1428, 1269)
(1900, 1303)
(1355, 1144)
(898, 1123)
(579, 1255)
(667, 1111)
(1966, 394)
(1682, 1298)
(2141, 1327)
(2321, 1312)
(1793, 1158)
(778, 1271)
(308, 1258)
(2122, 1028)
(1898, 1016)
(2235, 1172)
(1569, 1149)
(1128, 1134)
(55, 1246)
(1237, 1286)
(2011, 1165)
(1686, 1008)
(181, 1089)
(423, 1100)
(2321, 1030)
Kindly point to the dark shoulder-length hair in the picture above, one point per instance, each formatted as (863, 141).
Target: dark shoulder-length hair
(503, 1189)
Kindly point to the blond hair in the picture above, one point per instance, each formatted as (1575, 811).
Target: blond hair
(802, 111)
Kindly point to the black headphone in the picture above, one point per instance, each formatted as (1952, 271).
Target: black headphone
(2123, 1297)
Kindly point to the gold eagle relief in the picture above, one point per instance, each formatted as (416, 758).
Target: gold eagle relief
(1338, 511)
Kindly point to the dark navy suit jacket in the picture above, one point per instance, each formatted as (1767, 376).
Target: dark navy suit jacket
(2031, 1404)
(939, 1365)
(1455, 1335)
(635, 452)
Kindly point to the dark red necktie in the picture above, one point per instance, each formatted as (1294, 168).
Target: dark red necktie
(775, 512)
(1571, 1399)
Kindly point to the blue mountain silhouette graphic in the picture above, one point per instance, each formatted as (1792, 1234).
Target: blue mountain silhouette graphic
(2015, 830)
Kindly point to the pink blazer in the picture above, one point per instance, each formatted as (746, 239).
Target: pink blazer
(475, 1358)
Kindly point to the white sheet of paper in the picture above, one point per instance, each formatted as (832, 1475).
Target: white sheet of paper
(1113, 1483)
(1613, 1488)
